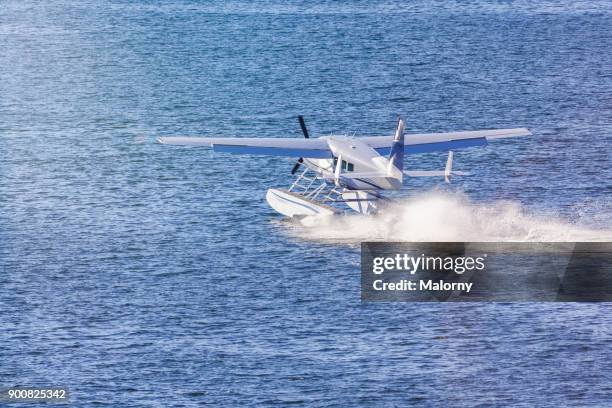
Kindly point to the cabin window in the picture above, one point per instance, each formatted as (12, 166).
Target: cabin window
(346, 166)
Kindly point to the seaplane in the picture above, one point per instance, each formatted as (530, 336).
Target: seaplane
(341, 172)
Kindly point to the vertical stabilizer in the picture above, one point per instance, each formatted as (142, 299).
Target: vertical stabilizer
(396, 157)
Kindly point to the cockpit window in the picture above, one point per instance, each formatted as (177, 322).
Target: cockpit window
(350, 167)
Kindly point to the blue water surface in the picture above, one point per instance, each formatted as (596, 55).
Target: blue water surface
(147, 275)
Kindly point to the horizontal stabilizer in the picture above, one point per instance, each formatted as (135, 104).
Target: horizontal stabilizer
(446, 173)
(425, 173)
(435, 173)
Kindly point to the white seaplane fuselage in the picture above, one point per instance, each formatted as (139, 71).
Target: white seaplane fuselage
(360, 159)
(351, 157)
(356, 171)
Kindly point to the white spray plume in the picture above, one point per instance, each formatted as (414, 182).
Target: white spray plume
(443, 217)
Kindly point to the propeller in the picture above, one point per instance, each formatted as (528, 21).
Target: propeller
(303, 126)
(299, 161)
(296, 166)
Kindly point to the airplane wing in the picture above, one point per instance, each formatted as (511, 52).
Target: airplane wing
(319, 149)
(436, 142)
(270, 146)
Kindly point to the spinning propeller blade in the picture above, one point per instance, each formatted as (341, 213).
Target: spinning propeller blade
(296, 166)
(303, 126)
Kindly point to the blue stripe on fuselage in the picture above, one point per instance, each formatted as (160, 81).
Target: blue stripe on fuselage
(368, 182)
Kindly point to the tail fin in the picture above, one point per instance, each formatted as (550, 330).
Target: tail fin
(396, 157)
